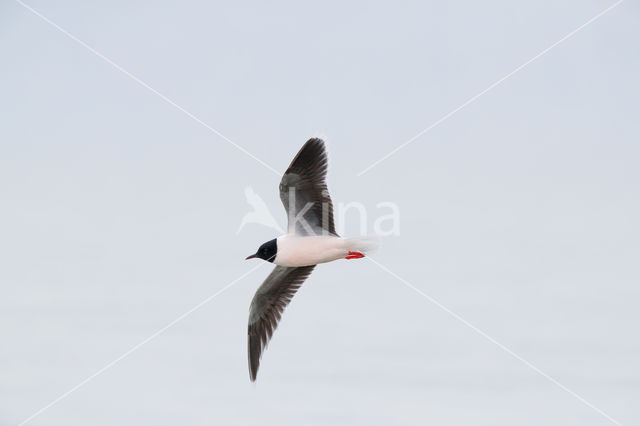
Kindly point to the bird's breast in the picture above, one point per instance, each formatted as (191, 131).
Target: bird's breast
(296, 250)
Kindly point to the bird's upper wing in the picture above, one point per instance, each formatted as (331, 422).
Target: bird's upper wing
(267, 306)
(303, 192)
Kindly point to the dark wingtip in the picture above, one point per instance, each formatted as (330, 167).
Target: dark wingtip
(253, 368)
(253, 342)
(312, 149)
(315, 141)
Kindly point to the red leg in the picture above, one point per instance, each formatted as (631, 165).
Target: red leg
(354, 255)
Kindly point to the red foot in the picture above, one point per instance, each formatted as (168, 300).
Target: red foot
(354, 255)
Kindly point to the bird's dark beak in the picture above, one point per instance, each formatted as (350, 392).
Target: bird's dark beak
(253, 256)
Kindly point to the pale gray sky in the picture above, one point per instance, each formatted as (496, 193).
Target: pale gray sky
(519, 213)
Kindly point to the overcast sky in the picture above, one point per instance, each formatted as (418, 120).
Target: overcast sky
(518, 213)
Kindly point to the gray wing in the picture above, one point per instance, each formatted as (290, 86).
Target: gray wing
(267, 306)
(303, 191)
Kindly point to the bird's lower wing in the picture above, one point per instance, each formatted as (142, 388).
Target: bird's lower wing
(267, 306)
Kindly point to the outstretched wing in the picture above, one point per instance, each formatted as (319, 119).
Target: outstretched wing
(267, 306)
(304, 192)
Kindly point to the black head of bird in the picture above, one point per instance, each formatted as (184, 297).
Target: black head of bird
(266, 251)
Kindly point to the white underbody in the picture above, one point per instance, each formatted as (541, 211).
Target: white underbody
(296, 250)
